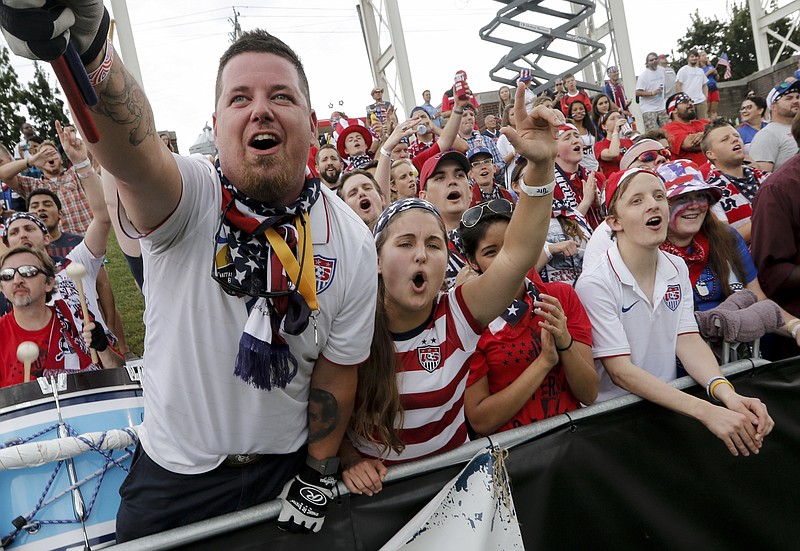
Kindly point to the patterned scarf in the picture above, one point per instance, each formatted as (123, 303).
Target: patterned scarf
(356, 161)
(67, 350)
(519, 307)
(695, 255)
(568, 194)
(246, 264)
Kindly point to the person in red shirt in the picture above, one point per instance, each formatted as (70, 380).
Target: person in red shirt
(535, 360)
(612, 147)
(27, 278)
(573, 94)
(685, 130)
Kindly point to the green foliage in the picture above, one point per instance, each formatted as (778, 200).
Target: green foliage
(10, 97)
(733, 36)
(43, 104)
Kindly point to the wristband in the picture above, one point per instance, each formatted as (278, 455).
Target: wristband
(83, 164)
(458, 111)
(794, 330)
(27, 162)
(571, 340)
(547, 251)
(99, 75)
(324, 467)
(537, 191)
(385, 153)
(713, 383)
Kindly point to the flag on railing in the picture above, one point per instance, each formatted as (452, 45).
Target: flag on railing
(725, 62)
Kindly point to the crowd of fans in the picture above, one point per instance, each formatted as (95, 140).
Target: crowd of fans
(487, 319)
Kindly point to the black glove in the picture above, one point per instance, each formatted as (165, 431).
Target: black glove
(99, 339)
(304, 500)
(41, 29)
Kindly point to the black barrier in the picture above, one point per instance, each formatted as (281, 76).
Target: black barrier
(639, 477)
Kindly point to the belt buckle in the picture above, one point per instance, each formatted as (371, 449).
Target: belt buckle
(242, 459)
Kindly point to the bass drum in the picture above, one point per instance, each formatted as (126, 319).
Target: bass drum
(91, 401)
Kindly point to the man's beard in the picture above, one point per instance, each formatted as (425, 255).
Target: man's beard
(273, 189)
(690, 115)
(21, 302)
(330, 177)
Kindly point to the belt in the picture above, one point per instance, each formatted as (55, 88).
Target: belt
(242, 459)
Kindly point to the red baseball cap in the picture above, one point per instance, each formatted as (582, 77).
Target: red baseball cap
(430, 165)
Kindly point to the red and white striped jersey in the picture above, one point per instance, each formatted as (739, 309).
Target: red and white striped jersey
(434, 364)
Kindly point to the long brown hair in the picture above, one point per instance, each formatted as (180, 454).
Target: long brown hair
(723, 254)
(377, 412)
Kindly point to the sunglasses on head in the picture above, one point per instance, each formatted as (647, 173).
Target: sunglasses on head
(650, 156)
(474, 214)
(7, 274)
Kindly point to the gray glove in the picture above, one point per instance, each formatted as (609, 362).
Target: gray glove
(41, 29)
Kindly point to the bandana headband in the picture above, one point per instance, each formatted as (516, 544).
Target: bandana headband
(401, 206)
(27, 216)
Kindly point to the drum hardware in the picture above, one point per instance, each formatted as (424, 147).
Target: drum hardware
(135, 371)
(78, 506)
(48, 383)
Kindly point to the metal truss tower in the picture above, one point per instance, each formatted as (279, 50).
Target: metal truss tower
(555, 37)
(386, 49)
(762, 21)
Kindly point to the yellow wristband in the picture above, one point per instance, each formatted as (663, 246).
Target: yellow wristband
(715, 384)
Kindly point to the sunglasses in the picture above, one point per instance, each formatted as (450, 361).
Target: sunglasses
(474, 214)
(650, 156)
(7, 274)
(476, 164)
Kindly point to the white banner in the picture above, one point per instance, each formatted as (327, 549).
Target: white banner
(474, 512)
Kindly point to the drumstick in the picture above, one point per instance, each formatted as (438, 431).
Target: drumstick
(76, 273)
(79, 92)
(27, 352)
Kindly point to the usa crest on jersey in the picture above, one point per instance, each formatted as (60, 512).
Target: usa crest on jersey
(672, 298)
(324, 269)
(429, 357)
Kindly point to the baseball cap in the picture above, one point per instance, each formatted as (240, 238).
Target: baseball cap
(662, 56)
(781, 90)
(478, 151)
(637, 149)
(682, 177)
(612, 69)
(430, 165)
(377, 89)
(676, 99)
(618, 178)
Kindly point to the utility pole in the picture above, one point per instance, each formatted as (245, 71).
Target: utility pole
(237, 29)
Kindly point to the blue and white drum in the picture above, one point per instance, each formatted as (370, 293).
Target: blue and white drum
(39, 497)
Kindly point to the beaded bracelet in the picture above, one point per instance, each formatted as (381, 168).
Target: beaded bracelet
(99, 75)
(713, 383)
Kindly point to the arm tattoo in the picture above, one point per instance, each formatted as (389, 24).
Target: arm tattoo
(323, 413)
(123, 101)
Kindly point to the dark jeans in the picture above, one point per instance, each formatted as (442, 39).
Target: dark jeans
(155, 499)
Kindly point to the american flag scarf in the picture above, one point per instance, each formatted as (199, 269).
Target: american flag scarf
(247, 265)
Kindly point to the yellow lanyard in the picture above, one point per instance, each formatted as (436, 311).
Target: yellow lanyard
(307, 283)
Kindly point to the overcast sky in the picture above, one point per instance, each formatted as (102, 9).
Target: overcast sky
(179, 43)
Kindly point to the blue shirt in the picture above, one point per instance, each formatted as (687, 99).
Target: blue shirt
(708, 280)
(712, 82)
(747, 132)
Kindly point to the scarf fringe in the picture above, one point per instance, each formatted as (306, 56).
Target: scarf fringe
(264, 365)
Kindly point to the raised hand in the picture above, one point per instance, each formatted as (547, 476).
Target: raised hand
(534, 137)
(41, 29)
(74, 147)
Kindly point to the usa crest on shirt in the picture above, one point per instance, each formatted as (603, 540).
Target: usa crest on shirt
(324, 269)
(672, 298)
(429, 357)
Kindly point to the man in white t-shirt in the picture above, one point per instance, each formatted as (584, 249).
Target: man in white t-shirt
(692, 81)
(260, 290)
(773, 145)
(650, 90)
